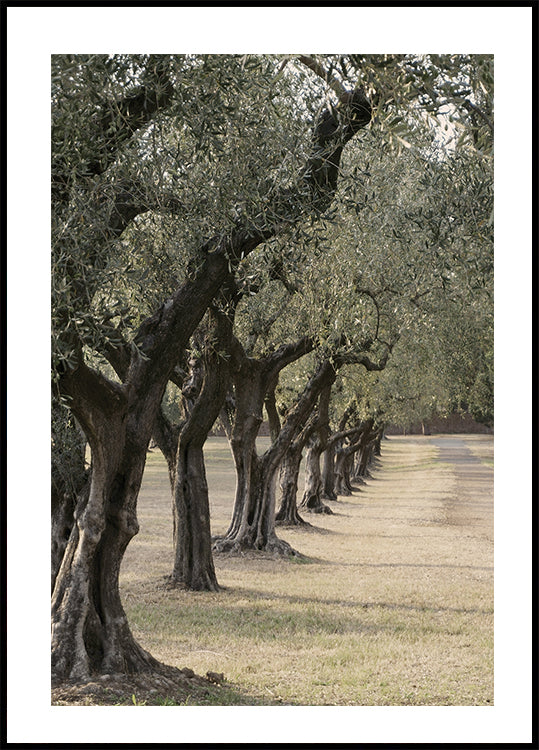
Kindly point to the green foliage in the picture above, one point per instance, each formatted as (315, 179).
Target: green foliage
(481, 398)
(151, 157)
(452, 94)
(154, 154)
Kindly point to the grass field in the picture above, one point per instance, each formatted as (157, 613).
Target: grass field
(391, 605)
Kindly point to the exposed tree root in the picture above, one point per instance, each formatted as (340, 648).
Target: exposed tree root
(274, 547)
(202, 584)
(292, 522)
(167, 686)
(289, 518)
(318, 507)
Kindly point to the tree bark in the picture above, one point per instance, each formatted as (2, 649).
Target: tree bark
(360, 472)
(193, 560)
(287, 514)
(89, 628)
(312, 494)
(378, 440)
(328, 473)
(342, 483)
(344, 465)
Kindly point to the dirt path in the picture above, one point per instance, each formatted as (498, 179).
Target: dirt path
(471, 503)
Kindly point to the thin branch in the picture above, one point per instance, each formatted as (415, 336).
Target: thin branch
(368, 293)
(321, 72)
(474, 108)
(344, 434)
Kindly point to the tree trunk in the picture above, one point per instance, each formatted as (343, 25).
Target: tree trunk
(166, 436)
(270, 403)
(328, 473)
(329, 477)
(342, 483)
(255, 493)
(62, 520)
(312, 495)
(344, 460)
(253, 518)
(378, 440)
(366, 461)
(287, 514)
(365, 451)
(90, 633)
(249, 389)
(193, 560)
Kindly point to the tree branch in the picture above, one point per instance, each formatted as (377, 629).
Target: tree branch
(91, 393)
(474, 108)
(313, 64)
(288, 353)
(162, 336)
(123, 117)
(343, 434)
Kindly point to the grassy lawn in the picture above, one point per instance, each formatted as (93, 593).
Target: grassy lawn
(392, 604)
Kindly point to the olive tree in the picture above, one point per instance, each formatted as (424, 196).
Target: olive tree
(132, 137)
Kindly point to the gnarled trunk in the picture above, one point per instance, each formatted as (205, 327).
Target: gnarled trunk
(193, 559)
(290, 465)
(345, 464)
(328, 473)
(312, 494)
(360, 471)
(287, 514)
(343, 486)
(378, 440)
(90, 633)
(253, 518)
(247, 420)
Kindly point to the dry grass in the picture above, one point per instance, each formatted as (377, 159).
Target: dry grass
(393, 604)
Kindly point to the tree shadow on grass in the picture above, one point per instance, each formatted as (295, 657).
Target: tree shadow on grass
(275, 618)
(304, 600)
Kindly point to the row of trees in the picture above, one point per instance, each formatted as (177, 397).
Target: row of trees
(307, 236)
